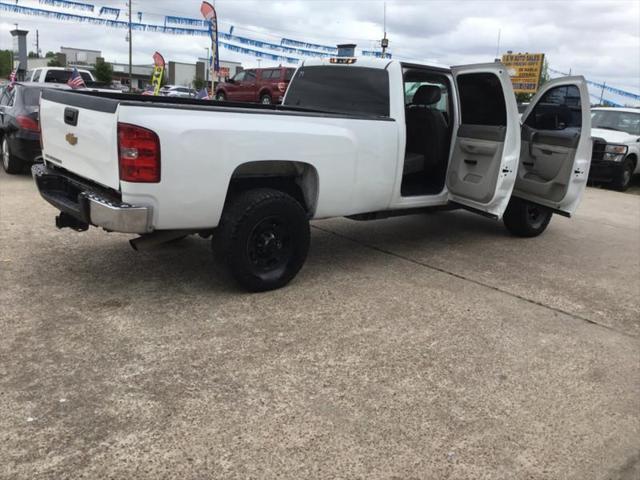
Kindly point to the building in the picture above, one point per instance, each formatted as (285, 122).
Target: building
(81, 56)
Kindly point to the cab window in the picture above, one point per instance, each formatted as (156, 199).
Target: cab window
(239, 77)
(36, 75)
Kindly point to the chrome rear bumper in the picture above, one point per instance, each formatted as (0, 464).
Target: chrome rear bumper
(90, 204)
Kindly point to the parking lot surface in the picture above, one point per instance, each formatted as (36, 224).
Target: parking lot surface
(417, 347)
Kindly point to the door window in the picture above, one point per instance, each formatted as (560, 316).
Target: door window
(250, 76)
(270, 74)
(558, 109)
(482, 99)
(239, 77)
(36, 75)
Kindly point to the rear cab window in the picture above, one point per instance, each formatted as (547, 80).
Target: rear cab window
(340, 89)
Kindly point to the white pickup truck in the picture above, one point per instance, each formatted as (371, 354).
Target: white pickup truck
(356, 137)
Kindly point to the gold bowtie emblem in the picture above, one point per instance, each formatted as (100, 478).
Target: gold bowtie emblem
(71, 138)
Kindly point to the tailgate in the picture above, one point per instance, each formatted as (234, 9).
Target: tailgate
(80, 134)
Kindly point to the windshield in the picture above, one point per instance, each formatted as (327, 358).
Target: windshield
(628, 122)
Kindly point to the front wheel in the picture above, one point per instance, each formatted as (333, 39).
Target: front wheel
(221, 97)
(264, 238)
(10, 163)
(526, 219)
(623, 179)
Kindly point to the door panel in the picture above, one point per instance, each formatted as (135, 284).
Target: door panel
(556, 146)
(483, 161)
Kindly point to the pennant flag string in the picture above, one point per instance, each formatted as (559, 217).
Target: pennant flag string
(68, 4)
(110, 11)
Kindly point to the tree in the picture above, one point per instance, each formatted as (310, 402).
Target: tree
(32, 55)
(522, 97)
(49, 54)
(54, 62)
(104, 71)
(5, 63)
(198, 83)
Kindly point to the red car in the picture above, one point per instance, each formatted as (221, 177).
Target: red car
(263, 85)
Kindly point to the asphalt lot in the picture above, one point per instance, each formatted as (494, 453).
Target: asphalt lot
(422, 347)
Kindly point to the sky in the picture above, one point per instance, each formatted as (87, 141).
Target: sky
(599, 39)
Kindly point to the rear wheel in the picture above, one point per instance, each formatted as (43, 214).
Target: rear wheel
(526, 219)
(265, 99)
(623, 179)
(10, 163)
(221, 97)
(264, 238)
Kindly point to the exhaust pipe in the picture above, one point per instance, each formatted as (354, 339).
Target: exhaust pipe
(151, 240)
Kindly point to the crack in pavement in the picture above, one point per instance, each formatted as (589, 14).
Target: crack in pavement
(469, 279)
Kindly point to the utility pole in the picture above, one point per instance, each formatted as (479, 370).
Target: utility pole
(37, 44)
(207, 68)
(602, 94)
(130, 51)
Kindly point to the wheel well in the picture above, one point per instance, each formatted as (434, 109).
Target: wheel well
(298, 179)
(264, 91)
(634, 159)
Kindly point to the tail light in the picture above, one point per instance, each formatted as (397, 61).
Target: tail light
(282, 86)
(28, 123)
(139, 154)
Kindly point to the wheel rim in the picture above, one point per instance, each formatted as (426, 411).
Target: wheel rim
(270, 248)
(5, 154)
(535, 216)
(266, 100)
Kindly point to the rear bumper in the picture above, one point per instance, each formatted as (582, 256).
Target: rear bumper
(90, 203)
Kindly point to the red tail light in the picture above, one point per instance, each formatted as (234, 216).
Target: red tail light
(28, 123)
(282, 86)
(139, 154)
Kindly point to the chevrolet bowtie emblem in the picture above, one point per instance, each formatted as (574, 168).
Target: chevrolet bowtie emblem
(71, 138)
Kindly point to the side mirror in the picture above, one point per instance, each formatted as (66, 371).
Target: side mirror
(231, 80)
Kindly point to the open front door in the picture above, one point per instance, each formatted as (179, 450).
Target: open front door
(483, 164)
(556, 145)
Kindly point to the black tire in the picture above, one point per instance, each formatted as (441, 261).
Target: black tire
(263, 237)
(624, 176)
(265, 99)
(526, 219)
(10, 163)
(221, 97)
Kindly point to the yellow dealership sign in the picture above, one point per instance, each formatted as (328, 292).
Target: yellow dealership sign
(525, 70)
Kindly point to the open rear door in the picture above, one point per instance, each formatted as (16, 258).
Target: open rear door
(556, 146)
(483, 164)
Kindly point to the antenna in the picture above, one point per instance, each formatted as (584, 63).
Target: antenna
(384, 43)
(498, 45)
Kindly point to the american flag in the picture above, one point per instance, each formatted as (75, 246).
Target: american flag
(75, 80)
(13, 76)
(203, 94)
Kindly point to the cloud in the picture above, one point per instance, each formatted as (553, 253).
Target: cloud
(600, 40)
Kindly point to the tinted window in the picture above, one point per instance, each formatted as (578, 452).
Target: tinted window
(62, 76)
(270, 74)
(341, 89)
(4, 98)
(289, 73)
(482, 99)
(250, 76)
(36, 75)
(558, 109)
(239, 77)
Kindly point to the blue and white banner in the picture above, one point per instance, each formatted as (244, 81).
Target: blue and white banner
(67, 4)
(314, 46)
(373, 53)
(193, 22)
(110, 11)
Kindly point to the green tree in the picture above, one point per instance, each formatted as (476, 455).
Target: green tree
(5, 63)
(198, 83)
(54, 62)
(523, 97)
(104, 71)
(32, 55)
(49, 54)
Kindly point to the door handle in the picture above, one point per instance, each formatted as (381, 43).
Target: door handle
(531, 140)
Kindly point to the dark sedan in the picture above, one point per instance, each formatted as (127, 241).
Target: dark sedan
(19, 126)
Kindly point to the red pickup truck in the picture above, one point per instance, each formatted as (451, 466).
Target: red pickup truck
(264, 85)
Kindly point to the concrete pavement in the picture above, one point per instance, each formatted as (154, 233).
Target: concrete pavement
(418, 347)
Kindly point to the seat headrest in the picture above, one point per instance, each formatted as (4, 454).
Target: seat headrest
(427, 95)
